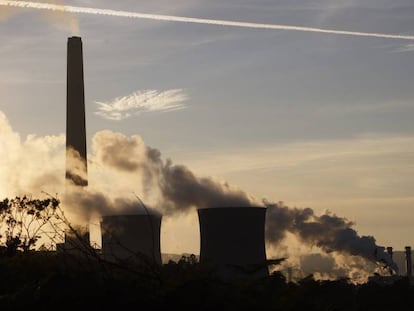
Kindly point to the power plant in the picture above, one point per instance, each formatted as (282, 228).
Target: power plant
(125, 237)
(232, 239)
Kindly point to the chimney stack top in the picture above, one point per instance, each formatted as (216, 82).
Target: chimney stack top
(74, 38)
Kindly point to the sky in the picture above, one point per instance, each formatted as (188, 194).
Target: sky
(311, 119)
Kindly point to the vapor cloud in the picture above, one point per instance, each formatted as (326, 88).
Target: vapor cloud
(328, 232)
(178, 188)
(120, 167)
(75, 9)
(140, 102)
(29, 165)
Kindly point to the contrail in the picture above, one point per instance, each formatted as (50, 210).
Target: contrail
(76, 9)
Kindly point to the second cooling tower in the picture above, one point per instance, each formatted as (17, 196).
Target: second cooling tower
(131, 238)
(232, 241)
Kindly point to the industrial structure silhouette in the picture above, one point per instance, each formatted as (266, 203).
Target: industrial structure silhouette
(232, 238)
(75, 114)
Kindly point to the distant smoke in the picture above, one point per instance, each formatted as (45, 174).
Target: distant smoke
(328, 232)
(121, 166)
(74, 9)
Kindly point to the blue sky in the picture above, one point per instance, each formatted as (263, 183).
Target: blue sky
(319, 120)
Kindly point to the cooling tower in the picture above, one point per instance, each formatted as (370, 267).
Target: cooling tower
(232, 241)
(131, 238)
(76, 167)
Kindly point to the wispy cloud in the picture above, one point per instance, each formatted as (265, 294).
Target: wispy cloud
(406, 48)
(142, 101)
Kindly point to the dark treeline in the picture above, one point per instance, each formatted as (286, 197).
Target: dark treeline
(61, 281)
(75, 276)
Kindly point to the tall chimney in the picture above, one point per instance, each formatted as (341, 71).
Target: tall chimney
(408, 262)
(76, 161)
(389, 251)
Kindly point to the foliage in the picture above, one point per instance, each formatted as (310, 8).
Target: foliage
(53, 280)
(68, 280)
(23, 220)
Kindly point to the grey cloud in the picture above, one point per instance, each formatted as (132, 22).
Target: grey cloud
(329, 232)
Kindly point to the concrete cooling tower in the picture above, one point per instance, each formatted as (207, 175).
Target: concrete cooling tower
(131, 238)
(232, 241)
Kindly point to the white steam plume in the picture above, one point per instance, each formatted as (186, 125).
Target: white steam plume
(328, 232)
(85, 10)
(121, 166)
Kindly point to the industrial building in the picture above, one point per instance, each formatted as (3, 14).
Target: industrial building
(232, 238)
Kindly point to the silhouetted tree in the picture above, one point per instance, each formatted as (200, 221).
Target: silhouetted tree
(23, 220)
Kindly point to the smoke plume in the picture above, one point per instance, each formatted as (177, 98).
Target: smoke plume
(84, 10)
(328, 232)
(179, 189)
(120, 167)
(31, 164)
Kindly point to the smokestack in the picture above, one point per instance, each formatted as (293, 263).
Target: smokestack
(408, 262)
(390, 252)
(232, 241)
(76, 171)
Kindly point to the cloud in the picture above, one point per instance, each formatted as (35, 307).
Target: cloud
(142, 101)
(292, 155)
(406, 48)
